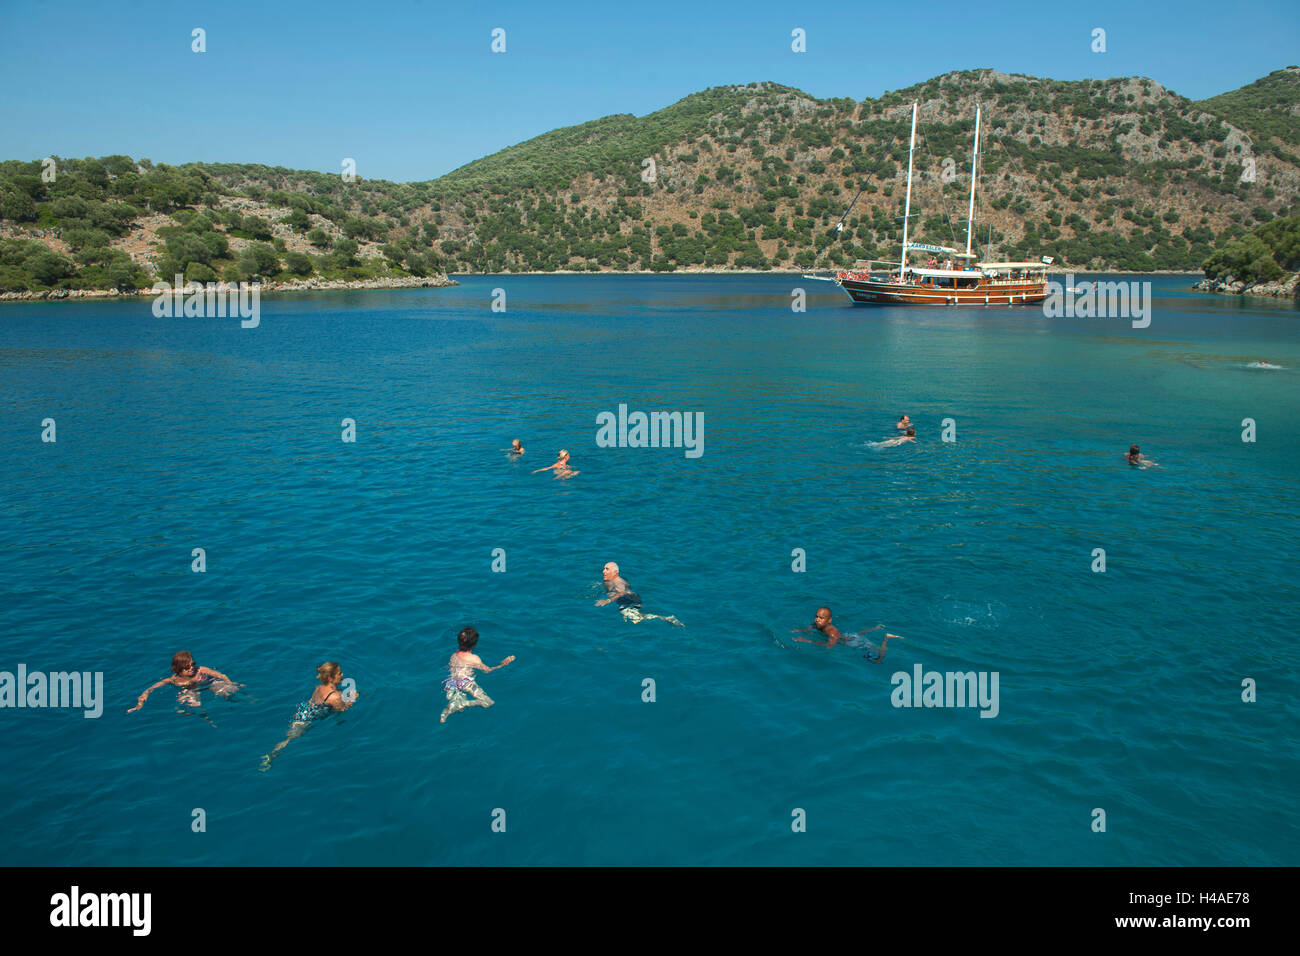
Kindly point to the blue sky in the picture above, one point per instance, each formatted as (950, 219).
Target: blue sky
(411, 89)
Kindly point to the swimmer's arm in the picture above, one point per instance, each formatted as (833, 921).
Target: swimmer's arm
(488, 670)
(833, 636)
(547, 468)
(830, 643)
(208, 671)
(615, 591)
(145, 696)
(336, 701)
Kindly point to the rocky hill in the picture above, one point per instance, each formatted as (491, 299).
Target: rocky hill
(1100, 174)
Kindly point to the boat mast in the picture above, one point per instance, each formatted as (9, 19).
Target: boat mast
(974, 158)
(907, 206)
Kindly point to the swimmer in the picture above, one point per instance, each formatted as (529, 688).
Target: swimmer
(890, 443)
(516, 448)
(903, 423)
(323, 701)
(462, 666)
(561, 466)
(629, 603)
(188, 676)
(1135, 457)
(822, 622)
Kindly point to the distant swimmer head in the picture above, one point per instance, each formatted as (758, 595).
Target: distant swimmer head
(467, 638)
(911, 433)
(183, 662)
(516, 445)
(1134, 453)
(610, 571)
(564, 455)
(822, 618)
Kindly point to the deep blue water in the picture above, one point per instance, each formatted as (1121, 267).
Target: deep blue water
(1120, 690)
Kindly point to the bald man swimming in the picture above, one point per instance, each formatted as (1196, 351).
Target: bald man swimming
(629, 602)
(822, 622)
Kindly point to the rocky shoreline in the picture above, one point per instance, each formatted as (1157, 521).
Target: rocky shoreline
(292, 285)
(1286, 288)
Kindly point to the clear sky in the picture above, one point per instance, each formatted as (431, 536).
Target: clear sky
(411, 89)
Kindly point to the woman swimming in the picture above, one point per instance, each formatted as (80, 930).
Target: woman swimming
(561, 466)
(462, 665)
(324, 700)
(1135, 457)
(189, 677)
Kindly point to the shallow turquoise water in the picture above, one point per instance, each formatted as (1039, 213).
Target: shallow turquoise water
(1119, 691)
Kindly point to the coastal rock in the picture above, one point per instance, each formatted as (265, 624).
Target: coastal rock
(1286, 287)
(293, 285)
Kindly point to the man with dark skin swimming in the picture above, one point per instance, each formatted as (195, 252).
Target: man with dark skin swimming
(822, 622)
(629, 603)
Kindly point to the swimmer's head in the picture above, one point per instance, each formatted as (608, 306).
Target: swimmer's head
(467, 638)
(516, 444)
(1133, 451)
(564, 455)
(610, 571)
(902, 418)
(823, 618)
(911, 432)
(329, 672)
(183, 662)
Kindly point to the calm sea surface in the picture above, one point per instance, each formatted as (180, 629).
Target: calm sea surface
(1119, 690)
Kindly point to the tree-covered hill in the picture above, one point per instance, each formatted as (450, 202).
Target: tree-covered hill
(1119, 174)
(1268, 109)
(1265, 254)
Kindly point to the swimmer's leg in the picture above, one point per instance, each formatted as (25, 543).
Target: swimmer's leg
(662, 617)
(189, 698)
(480, 699)
(876, 658)
(455, 702)
(296, 730)
(633, 615)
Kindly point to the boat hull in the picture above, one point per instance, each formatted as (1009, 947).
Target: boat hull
(875, 292)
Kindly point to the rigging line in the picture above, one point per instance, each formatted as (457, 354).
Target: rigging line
(925, 140)
(1012, 159)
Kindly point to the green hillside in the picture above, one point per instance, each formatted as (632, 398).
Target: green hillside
(1268, 109)
(1100, 174)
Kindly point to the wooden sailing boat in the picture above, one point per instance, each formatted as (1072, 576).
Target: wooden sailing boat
(875, 282)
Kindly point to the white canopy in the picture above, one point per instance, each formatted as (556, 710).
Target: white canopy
(945, 273)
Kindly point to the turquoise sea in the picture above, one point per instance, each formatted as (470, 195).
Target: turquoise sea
(1119, 691)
